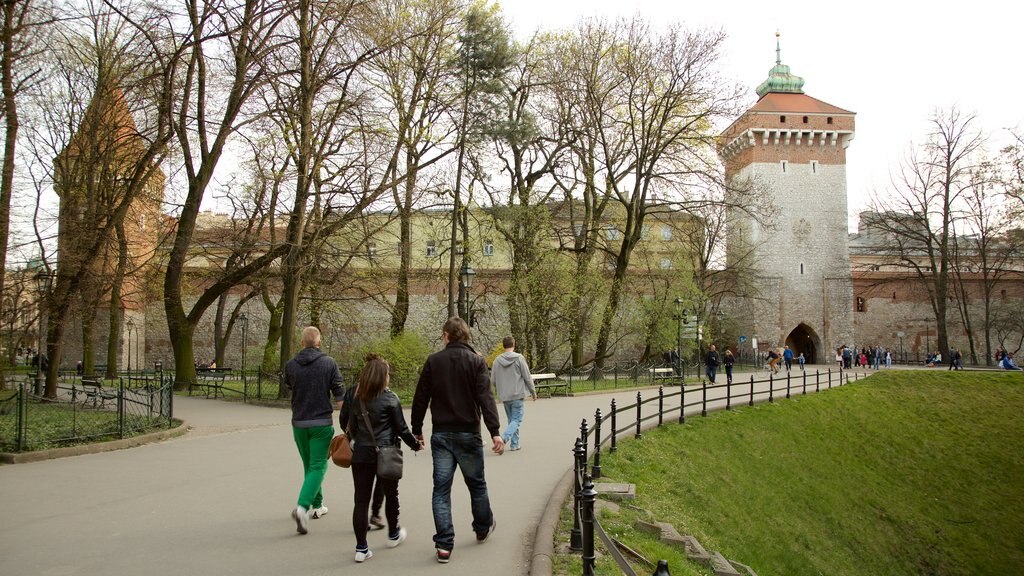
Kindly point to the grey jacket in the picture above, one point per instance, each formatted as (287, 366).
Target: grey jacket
(511, 377)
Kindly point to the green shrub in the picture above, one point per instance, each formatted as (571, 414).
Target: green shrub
(406, 354)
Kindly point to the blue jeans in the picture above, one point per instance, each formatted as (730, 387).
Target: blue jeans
(514, 412)
(465, 450)
(711, 371)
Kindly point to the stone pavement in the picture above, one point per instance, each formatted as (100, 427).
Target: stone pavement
(217, 501)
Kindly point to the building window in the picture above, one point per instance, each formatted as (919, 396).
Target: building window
(814, 166)
(371, 249)
(431, 249)
(784, 164)
(666, 232)
(1002, 293)
(459, 249)
(828, 120)
(805, 119)
(488, 248)
(801, 268)
(665, 263)
(782, 119)
(876, 268)
(860, 304)
(578, 228)
(645, 232)
(612, 233)
(142, 222)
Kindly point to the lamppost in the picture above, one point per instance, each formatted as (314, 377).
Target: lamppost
(43, 280)
(901, 334)
(130, 325)
(466, 277)
(243, 321)
(680, 315)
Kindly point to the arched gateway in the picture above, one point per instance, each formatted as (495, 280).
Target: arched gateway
(803, 339)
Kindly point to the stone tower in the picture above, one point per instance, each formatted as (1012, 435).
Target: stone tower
(791, 149)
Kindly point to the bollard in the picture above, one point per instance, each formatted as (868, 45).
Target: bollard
(787, 385)
(19, 439)
(596, 468)
(615, 430)
(805, 383)
(704, 397)
(661, 404)
(829, 378)
(751, 402)
(771, 388)
(662, 569)
(576, 536)
(728, 394)
(589, 496)
(682, 404)
(583, 444)
(639, 409)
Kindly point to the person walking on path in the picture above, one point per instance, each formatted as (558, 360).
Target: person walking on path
(711, 363)
(802, 361)
(372, 404)
(729, 360)
(454, 385)
(787, 356)
(511, 378)
(312, 377)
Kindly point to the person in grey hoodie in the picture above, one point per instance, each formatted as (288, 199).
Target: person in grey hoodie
(510, 376)
(312, 377)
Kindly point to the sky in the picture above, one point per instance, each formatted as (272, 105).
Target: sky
(893, 63)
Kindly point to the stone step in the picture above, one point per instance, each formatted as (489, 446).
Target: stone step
(721, 566)
(615, 491)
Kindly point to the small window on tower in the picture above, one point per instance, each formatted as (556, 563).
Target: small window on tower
(814, 166)
(828, 120)
(1002, 293)
(784, 163)
(805, 119)
(782, 119)
(860, 304)
(801, 268)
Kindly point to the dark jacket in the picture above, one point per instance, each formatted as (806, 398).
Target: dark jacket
(712, 359)
(313, 376)
(454, 384)
(386, 417)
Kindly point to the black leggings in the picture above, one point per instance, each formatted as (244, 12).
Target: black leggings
(363, 475)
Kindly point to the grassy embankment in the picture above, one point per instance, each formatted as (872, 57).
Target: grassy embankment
(904, 473)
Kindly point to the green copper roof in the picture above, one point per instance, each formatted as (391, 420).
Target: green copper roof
(779, 77)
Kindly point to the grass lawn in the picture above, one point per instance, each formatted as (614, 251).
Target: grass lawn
(904, 473)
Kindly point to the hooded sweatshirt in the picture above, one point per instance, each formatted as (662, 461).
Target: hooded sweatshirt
(313, 376)
(511, 377)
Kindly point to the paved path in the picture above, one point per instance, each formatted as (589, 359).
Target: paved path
(217, 501)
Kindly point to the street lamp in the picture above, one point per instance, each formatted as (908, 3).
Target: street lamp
(243, 321)
(43, 280)
(680, 315)
(466, 277)
(130, 325)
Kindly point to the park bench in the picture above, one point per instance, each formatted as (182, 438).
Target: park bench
(211, 382)
(661, 373)
(95, 393)
(548, 382)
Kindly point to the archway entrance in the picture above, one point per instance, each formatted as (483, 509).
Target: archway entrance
(803, 340)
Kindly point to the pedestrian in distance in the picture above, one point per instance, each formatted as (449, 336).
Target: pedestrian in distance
(787, 357)
(372, 417)
(888, 358)
(510, 376)
(729, 361)
(455, 386)
(801, 360)
(711, 363)
(312, 377)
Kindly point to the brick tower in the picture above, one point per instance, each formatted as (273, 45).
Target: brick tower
(791, 149)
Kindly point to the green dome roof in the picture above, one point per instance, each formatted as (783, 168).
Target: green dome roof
(780, 79)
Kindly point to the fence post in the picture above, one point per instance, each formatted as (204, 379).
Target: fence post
(589, 496)
(830, 378)
(576, 536)
(817, 380)
(728, 394)
(596, 468)
(704, 397)
(771, 387)
(751, 402)
(614, 429)
(805, 383)
(583, 437)
(638, 416)
(120, 407)
(787, 384)
(19, 439)
(682, 403)
(661, 404)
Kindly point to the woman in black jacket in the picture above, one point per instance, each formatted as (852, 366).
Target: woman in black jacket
(384, 412)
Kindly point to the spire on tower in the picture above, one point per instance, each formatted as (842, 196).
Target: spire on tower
(780, 79)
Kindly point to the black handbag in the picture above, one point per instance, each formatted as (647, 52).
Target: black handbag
(389, 458)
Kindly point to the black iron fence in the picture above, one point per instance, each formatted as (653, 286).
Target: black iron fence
(86, 409)
(630, 420)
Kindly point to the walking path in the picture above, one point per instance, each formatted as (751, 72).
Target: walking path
(217, 501)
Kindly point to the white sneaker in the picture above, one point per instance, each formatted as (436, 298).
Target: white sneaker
(301, 518)
(318, 512)
(394, 542)
(363, 556)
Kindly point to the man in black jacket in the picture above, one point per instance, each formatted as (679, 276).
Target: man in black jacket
(312, 377)
(455, 385)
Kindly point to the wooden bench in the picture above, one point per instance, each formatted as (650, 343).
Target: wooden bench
(549, 382)
(211, 382)
(661, 373)
(96, 393)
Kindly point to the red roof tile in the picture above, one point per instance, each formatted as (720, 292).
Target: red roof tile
(785, 102)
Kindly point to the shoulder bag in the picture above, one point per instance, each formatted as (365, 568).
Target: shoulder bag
(389, 458)
(340, 450)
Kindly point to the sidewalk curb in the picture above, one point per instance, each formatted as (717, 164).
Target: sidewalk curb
(544, 538)
(181, 428)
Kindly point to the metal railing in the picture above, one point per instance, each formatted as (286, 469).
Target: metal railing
(623, 420)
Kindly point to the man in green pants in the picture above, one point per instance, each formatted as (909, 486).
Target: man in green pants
(312, 377)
